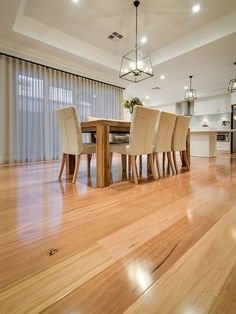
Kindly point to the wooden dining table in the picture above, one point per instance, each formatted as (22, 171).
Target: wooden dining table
(102, 128)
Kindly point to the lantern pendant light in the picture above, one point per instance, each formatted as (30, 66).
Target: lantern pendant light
(136, 65)
(190, 93)
(232, 84)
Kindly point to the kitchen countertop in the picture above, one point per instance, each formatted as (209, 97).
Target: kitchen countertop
(207, 129)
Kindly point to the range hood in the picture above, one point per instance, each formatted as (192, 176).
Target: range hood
(185, 108)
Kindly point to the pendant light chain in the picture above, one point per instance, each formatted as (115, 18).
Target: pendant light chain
(136, 43)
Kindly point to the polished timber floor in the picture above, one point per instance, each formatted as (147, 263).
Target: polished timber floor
(166, 246)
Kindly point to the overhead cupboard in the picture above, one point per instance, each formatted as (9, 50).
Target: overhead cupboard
(212, 106)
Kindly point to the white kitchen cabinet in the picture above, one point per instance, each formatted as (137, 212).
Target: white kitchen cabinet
(203, 143)
(223, 146)
(212, 106)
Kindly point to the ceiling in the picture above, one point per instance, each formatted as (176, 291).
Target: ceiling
(179, 42)
(162, 21)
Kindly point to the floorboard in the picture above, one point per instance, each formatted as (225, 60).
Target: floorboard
(75, 248)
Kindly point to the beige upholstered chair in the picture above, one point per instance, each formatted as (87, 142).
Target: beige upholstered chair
(141, 137)
(163, 138)
(179, 139)
(71, 138)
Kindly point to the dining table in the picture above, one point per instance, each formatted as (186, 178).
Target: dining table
(102, 128)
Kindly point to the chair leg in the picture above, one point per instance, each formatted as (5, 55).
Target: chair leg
(163, 162)
(152, 167)
(77, 162)
(123, 162)
(175, 162)
(89, 157)
(140, 165)
(134, 169)
(110, 163)
(63, 161)
(157, 164)
(129, 164)
(170, 162)
(186, 159)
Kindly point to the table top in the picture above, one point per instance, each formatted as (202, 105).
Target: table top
(117, 126)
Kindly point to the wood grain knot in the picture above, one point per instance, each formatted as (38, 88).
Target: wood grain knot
(52, 252)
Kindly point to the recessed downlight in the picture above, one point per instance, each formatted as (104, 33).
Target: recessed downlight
(75, 1)
(196, 8)
(162, 77)
(143, 40)
(147, 97)
(185, 87)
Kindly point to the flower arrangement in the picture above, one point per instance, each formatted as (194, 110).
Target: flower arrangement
(129, 104)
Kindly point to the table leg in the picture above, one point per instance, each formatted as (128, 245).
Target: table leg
(102, 158)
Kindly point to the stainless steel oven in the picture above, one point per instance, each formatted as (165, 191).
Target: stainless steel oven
(223, 137)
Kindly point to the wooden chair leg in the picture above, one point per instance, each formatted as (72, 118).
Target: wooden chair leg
(123, 162)
(63, 161)
(89, 157)
(175, 162)
(140, 165)
(134, 169)
(110, 163)
(158, 164)
(181, 157)
(77, 162)
(129, 164)
(149, 171)
(186, 159)
(170, 162)
(163, 162)
(152, 167)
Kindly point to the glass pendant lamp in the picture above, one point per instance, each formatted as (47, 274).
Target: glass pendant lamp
(136, 65)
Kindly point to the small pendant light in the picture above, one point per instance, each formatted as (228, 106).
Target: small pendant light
(190, 93)
(232, 84)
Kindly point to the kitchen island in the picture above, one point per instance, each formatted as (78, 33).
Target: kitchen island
(203, 142)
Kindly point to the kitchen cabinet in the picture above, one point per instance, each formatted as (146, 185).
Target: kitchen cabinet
(223, 146)
(202, 142)
(212, 106)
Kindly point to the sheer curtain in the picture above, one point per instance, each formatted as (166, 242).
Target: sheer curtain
(29, 94)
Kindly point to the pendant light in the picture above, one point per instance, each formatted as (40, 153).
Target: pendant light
(136, 65)
(190, 93)
(232, 84)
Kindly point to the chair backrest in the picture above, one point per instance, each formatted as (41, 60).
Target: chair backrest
(180, 133)
(164, 132)
(142, 130)
(70, 130)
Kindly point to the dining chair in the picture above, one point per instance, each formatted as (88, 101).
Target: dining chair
(179, 139)
(163, 139)
(71, 138)
(140, 139)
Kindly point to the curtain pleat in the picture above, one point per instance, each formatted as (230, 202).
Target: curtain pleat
(29, 95)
